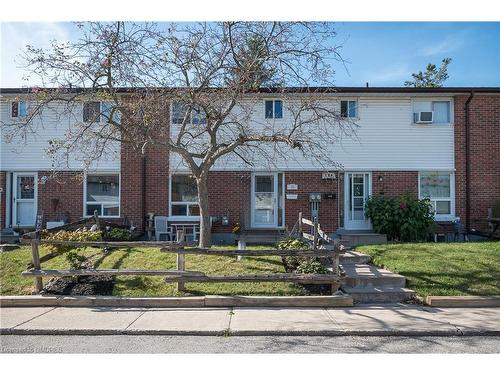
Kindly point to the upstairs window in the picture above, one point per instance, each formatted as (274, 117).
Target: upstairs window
(432, 112)
(106, 110)
(180, 111)
(19, 109)
(92, 112)
(438, 187)
(103, 194)
(184, 196)
(349, 108)
(274, 109)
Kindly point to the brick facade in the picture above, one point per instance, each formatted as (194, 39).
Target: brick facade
(484, 163)
(230, 192)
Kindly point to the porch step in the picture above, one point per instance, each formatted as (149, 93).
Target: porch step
(354, 257)
(261, 237)
(365, 275)
(379, 294)
(9, 237)
(357, 239)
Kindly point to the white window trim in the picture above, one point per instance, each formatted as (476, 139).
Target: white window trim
(100, 112)
(433, 99)
(178, 124)
(348, 99)
(18, 109)
(170, 202)
(107, 173)
(282, 109)
(442, 217)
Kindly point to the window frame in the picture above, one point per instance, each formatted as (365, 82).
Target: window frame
(451, 199)
(179, 203)
(102, 173)
(11, 102)
(274, 100)
(191, 116)
(356, 116)
(100, 111)
(431, 100)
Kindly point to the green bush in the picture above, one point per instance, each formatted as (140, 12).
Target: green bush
(118, 234)
(289, 243)
(311, 266)
(405, 218)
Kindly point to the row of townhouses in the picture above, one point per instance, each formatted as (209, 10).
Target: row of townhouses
(440, 143)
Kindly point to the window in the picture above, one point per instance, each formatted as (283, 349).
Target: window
(349, 108)
(102, 193)
(274, 109)
(180, 111)
(92, 112)
(184, 196)
(441, 111)
(19, 109)
(439, 188)
(106, 109)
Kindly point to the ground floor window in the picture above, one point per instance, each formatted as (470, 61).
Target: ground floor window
(439, 188)
(102, 194)
(184, 196)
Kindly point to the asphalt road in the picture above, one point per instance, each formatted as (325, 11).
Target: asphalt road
(251, 344)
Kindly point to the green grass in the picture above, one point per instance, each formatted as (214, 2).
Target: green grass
(443, 269)
(14, 262)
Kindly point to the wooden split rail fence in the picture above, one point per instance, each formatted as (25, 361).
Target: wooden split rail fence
(180, 275)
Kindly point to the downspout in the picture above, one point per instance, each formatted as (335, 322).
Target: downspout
(467, 163)
(143, 191)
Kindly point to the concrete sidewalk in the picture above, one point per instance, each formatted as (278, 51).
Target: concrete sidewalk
(398, 319)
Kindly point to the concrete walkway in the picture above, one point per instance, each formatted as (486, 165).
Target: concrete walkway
(395, 319)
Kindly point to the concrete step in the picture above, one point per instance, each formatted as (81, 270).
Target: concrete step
(365, 275)
(354, 257)
(379, 294)
(357, 239)
(9, 238)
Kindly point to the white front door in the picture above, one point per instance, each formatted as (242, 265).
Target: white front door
(264, 200)
(357, 188)
(24, 195)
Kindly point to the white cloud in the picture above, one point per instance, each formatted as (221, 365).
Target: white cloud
(15, 37)
(449, 44)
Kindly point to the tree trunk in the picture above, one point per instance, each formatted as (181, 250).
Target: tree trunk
(205, 230)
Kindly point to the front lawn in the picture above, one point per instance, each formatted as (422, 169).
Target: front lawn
(446, 269)
(14, 262)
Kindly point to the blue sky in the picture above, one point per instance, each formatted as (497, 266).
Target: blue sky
(383, 54)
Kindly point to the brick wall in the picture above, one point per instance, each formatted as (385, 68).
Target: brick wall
(484, 144)
(393, 184)
(61, 197)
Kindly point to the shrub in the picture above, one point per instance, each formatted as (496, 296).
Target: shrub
(73, 255)
(289, 243)
(311, 266)
(119, 234)
(405, 218)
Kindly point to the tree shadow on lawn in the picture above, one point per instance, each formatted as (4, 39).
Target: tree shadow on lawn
(465, 282)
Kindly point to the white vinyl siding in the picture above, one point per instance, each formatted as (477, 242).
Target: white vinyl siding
(29, 154)
(385, 139)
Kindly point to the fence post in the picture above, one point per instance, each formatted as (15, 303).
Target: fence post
(300, 224)
(36, 264)
(181, 261)
(315, 237)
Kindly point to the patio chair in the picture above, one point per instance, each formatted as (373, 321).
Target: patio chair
(493, 219)
(161, 227)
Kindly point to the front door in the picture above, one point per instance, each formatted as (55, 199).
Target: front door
(24, 195)
(264, 200)
(357, 191)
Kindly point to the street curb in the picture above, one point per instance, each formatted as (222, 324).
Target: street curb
(196, 302)
(463, 301)
(125, 332)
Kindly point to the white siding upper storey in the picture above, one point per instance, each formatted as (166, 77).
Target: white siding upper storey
(387, 137)
(28, 153)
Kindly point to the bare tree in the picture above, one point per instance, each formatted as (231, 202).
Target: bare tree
(214, 76)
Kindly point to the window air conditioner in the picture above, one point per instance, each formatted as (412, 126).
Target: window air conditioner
(423, 117)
